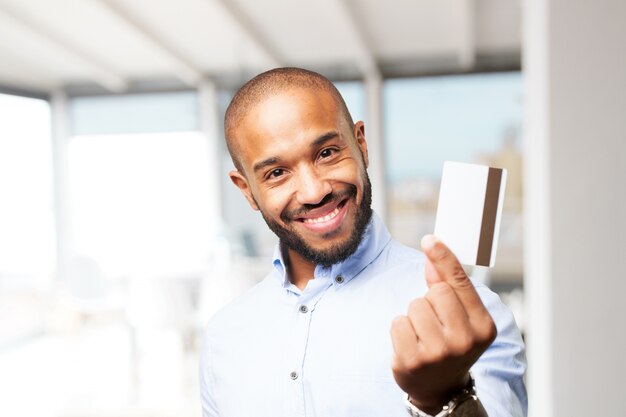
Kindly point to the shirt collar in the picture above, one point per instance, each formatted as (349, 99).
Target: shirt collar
(279, 265)
(375, 238)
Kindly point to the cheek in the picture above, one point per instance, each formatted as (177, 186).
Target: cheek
(350, 173)
(274, 201)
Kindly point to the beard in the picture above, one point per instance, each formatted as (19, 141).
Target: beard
(290, 239)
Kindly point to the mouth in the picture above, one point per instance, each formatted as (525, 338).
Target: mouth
(323, 214)
(325, 219)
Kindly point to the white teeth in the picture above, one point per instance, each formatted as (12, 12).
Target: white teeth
(323, 218)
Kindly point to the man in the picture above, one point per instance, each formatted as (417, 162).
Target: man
(348, 322)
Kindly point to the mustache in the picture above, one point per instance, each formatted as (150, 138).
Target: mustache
(332, 197)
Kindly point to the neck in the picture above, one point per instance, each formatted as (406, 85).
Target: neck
(300, 270)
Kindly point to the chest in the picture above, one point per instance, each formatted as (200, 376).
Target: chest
(324, 356)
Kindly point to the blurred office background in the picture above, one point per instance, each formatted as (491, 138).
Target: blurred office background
(120, 233)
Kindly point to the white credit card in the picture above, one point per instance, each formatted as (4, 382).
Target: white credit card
(469, 211)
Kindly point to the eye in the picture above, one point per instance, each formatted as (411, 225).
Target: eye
(275, 173)
(327, 153)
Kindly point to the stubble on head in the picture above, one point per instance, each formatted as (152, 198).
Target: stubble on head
(269, 83)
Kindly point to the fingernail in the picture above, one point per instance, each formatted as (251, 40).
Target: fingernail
(429, 241)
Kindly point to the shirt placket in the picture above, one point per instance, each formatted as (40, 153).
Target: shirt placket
(304, 309)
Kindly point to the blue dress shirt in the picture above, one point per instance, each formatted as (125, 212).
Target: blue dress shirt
(326, 350)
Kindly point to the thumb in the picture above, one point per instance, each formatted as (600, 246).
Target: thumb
(443, 266)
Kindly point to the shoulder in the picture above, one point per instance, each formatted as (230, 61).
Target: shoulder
(404, 253)
(398, 254)
(398, 257)
(396, 274)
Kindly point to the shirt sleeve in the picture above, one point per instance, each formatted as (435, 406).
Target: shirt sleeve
(207, 383)
(499, 372)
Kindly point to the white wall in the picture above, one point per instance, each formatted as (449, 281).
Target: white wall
(575, 172)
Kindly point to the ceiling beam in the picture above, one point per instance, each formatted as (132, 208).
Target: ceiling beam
(366, 60)
(99, 72)
(248, 27)
(7, 87)
(21, 69)
(183, 69)
(20, 77)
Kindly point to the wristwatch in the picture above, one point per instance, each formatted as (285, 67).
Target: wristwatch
(468, 392)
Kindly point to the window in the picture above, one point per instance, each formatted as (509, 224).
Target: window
(26, 215)
(27, 247)
(466, 118)
(138, 172)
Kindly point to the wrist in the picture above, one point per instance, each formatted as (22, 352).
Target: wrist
(445, 408)
(434, 403)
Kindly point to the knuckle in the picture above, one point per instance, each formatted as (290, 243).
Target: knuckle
(439, 290)
(416, 306)
(492, 331)
(398, 323)
(397, 365)
(460, 278)
(488, 331)
(398, 329)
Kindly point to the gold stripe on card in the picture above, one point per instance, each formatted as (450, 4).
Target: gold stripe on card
(490, 211)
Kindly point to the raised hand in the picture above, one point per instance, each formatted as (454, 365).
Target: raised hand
(443, 333)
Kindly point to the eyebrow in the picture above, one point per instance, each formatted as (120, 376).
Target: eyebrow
(316, 143)
(324, 138)
(265, 163)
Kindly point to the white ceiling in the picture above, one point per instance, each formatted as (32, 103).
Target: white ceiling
(117, 44)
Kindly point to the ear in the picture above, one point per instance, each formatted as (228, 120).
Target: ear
(240, 181)
(359, 134)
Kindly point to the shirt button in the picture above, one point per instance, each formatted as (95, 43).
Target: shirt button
(293, 375)
(303, 309)
(338, 279)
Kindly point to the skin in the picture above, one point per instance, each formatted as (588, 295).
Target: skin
(296, 148)
(443, 333)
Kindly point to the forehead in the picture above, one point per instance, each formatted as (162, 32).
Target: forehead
(285, 121)
(303, 106)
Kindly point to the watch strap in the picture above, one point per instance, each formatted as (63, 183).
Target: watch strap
(468, 392)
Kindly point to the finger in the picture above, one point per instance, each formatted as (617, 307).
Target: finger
(443, 265)
(448, 308)
(405, 342)
(457, 329)
(446, 267)
(432, 276)
(427, 326)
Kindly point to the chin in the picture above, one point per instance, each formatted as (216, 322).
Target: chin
(328, 247)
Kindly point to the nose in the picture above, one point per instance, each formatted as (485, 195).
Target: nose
(312, 187)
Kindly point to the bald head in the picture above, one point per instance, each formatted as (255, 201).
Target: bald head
(266, 85)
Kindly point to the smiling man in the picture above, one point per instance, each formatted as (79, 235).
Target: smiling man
(348, 322)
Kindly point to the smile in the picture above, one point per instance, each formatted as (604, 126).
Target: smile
(325, 218)
(325, 221)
